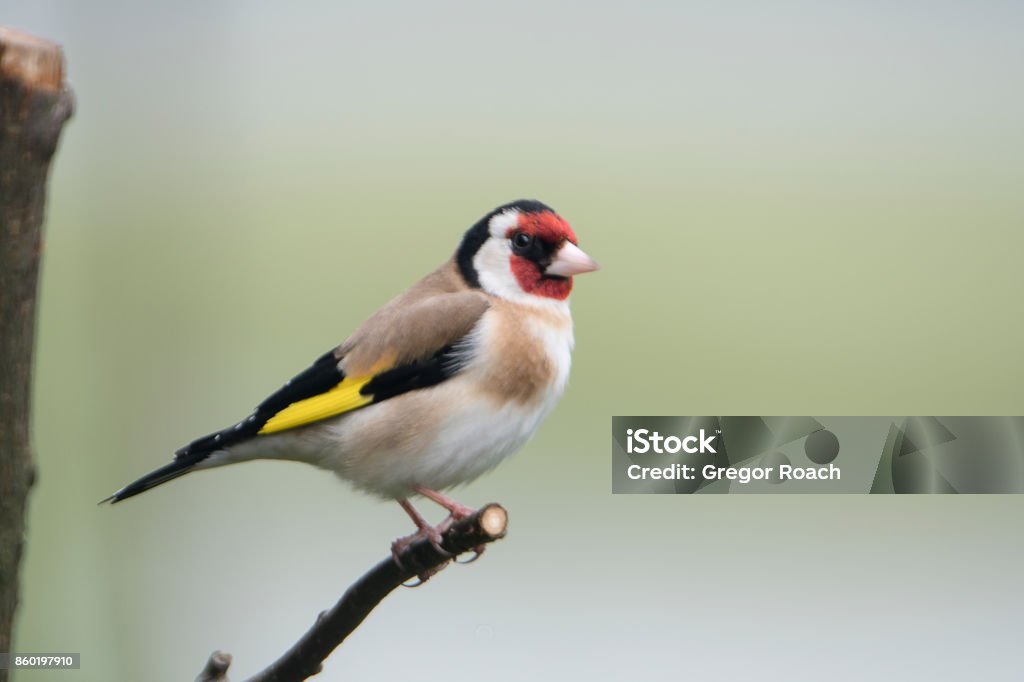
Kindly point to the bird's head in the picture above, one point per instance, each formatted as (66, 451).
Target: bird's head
(522, 251)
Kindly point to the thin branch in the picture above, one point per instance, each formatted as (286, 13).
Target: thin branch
(216, 669)
(34, 104)
(305, 658)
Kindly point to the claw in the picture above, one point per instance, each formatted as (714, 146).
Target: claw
(477, 552)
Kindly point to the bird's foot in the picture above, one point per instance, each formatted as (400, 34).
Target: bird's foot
(423, 531)
(398, 547)
(456, 512)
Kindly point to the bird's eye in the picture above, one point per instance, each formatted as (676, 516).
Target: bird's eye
(521, 240)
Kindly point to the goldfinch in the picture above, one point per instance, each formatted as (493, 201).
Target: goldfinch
(435, 388)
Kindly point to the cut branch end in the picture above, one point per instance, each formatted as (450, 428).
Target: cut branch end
(35, 63)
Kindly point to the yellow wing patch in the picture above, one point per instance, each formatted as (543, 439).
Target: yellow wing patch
(343, 398)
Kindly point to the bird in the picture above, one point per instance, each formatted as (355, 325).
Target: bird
(434, 389)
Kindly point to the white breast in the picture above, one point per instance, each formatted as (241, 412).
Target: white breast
(456, 431)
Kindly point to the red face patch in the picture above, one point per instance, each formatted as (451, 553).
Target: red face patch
(547, 226)
(533, 282)
(552, 229)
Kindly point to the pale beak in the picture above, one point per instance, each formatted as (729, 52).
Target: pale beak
(570, 260)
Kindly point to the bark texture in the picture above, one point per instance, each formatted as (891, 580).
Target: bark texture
(34, 104)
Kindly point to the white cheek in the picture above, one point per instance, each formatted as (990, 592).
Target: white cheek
(495, 271)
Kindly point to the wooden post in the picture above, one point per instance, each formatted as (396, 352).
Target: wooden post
(34, 104)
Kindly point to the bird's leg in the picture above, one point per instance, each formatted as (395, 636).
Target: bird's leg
(423, 530)
(456, 512)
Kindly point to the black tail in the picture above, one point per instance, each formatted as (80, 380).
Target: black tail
(179, 467)
(189, 456)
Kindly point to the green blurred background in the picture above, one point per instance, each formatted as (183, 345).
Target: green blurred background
(801, 208)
